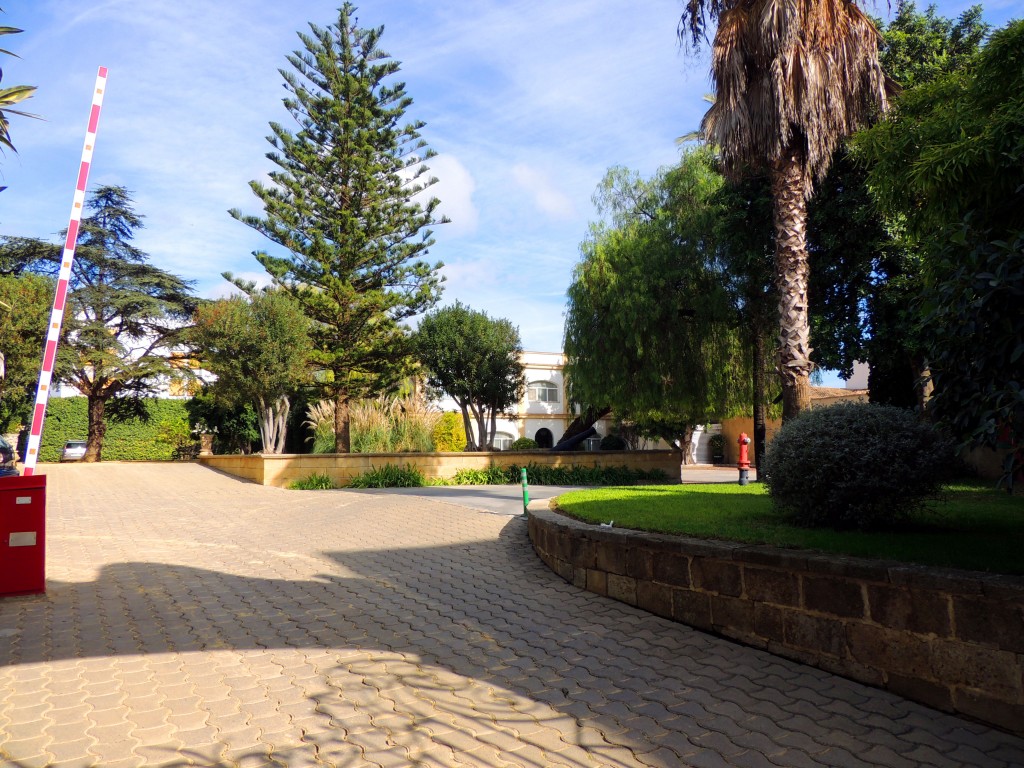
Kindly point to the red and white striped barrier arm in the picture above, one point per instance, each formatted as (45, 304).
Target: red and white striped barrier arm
(63, 278)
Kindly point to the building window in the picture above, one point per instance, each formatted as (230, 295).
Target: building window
(543, 392)
(544, 438)
(503, 441)
(594, 443)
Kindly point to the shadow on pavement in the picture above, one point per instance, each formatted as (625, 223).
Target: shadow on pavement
(447, 649)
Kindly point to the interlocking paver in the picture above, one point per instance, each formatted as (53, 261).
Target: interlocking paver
(194, 618)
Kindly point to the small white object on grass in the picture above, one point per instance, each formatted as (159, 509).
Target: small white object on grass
(609, 524)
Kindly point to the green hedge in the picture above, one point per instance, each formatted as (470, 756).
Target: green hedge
(67, 418)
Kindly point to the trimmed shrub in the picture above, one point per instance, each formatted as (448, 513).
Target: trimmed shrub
(613, 443)
(524, 444)
(539, 474)
(856, 465)
(67, 418)
(491, 476)
(450, 433)
(314, 482)
(389, 476)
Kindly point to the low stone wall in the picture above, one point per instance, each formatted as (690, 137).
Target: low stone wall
(281, 469)
(953, 640)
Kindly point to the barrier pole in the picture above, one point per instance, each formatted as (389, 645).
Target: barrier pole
(63, 278)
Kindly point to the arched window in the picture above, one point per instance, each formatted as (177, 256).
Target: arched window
(544, 438)
(543, 392)
(503, 441)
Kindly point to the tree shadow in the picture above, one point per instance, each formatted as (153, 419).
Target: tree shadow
(471, 651)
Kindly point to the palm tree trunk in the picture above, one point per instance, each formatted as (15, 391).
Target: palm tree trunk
(791, 278)
(760, 430)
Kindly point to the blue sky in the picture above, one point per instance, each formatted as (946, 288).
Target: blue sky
(526, 102)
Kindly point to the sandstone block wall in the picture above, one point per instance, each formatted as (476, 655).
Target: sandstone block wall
(950, 639)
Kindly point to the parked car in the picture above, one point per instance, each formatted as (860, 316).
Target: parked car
(74, 450)
(8, 459)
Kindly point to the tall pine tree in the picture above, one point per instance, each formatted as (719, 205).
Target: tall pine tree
(124, 318)
(343, 203)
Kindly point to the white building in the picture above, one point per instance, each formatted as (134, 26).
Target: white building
(543, 414)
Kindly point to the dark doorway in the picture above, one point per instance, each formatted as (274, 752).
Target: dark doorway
(544, 438)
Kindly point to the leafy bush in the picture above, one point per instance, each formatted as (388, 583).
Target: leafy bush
(613, 443)
(389, 476)
(450, 433)
(524, 444)
(67, 418)
(855, 466)
(539, 474)
(314, 482)
(491, 476)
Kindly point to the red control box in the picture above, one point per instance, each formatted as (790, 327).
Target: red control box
(22, 535)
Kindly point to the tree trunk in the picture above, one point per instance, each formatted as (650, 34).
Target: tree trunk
(760, 430)
(584, 421)
(481, 427)
(97, 428)
(686, 445)
(468, 426)
(342, 414)
(493, 428)
(924, 387)
(791, 278)
(273, 423)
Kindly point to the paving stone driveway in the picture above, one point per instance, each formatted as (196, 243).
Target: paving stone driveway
(193, 619)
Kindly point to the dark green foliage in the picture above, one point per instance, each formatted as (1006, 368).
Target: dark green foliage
(475, 359)
(650, 325)
(524, 444)
(919, 47)
(22, 334)
(134, 440)
(613, 443)
(975, 324)
(865, 274)
(950, 162)
(491, 476)
(314, 482)
(856, 465)
(342, 207)
(390, 476)
(124, 316)
(234, 425)
(538, 474)
(258, 347)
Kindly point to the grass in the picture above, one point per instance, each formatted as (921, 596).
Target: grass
(314, 482)
(974, 527)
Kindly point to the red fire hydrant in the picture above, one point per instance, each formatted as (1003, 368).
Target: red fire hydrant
(744, 462)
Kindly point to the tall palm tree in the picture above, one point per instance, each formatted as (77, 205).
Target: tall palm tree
(792, 79)
(9, 97)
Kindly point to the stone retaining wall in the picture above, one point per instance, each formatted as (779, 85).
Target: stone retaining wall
(282, 469)
(953, 640)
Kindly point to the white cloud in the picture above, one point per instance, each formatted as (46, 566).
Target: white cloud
(545, 194)
(454, 188)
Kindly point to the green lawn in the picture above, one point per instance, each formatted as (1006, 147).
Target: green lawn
(973, 527)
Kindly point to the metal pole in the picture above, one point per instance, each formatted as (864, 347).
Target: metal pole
(526, 492)
(64, 276)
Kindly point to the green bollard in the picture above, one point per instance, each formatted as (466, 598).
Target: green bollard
(526, 493)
